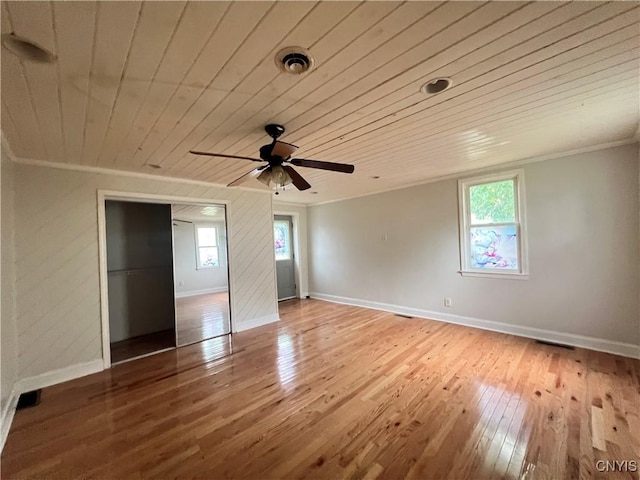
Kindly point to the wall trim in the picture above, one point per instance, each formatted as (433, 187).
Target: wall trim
(489, 169)
(257, 322)
(7, 417)
(192, 293)
(125, 173)
(58, 376)
(590, 343)
(150, 176)
(299, 268)
(41, 381)
(101, 197)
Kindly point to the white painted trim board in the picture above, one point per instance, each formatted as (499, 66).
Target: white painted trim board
(591, 343)
(150, 176)
(7, 417)
(299, 268)
(489, 169)
(257, 322)
(102, 197)
(58, 376)
(41, 381)
(204, 291)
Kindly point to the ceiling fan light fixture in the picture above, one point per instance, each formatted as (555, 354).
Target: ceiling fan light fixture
(279, 176)
(279, 164)
(437, 85)
(265, 176)
(26, 49)
(275, 174)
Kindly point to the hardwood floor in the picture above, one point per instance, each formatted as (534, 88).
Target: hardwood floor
(202, 316)
(197, 318)
(142, 345)
(333, 391)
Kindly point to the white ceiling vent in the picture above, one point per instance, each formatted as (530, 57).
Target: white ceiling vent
(294, 60)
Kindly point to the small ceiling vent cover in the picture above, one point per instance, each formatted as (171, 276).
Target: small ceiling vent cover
(294, 60)
(436, 85)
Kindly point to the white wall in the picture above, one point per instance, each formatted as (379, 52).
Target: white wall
(582, 214)
(299, 214)
(187, 276)
(57, 285)
(8, 337)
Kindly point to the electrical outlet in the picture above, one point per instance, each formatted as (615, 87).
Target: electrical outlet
(447, 302)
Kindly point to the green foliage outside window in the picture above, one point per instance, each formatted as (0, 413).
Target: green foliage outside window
(492, 202)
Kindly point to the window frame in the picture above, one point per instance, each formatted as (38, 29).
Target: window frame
(198, 246)
(289, 238)
(465, 225)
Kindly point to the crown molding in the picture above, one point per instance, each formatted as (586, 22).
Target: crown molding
(490, 169)
(278, 203)
(456, 175)
(124, 173)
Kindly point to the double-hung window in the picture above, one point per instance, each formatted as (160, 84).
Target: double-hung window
(207, 247)
(492, 227)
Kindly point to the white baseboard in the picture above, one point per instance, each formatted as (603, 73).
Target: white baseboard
(193, 293)
(257, 322)
(591, 343)
(58, 376)
(7, 417)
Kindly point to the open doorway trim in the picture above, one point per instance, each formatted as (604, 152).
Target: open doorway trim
(298, 266)
(102, 197)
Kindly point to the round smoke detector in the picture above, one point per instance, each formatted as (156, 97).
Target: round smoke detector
(26, 49)
(294, 60)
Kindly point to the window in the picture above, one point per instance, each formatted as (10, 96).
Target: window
(281, 237)
(207, 247)
(492, 230)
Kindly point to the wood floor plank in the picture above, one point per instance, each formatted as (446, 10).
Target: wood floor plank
(333, 391)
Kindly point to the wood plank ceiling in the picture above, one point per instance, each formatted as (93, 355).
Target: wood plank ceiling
(139, 83)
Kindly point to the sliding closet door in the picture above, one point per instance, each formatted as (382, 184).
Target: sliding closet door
(140, 278)
(201, 272)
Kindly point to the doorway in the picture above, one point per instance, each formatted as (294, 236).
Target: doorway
(148, 303)
(285, 256)
(140, 279)
(201, 271)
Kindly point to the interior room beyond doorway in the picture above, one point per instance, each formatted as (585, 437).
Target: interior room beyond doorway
(201, 272)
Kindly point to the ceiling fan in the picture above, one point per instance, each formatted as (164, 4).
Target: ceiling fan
(278, 169)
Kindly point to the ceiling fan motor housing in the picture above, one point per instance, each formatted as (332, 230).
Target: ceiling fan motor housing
(265, 154)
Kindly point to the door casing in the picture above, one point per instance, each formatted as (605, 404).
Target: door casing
(102, 196)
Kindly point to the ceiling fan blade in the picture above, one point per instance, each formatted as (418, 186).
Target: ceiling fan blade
(296, 178)
(252, 174)
(282, 149)
(333, 166)
(195, 152)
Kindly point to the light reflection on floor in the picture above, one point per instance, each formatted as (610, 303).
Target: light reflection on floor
(500, 415)
(286, 361)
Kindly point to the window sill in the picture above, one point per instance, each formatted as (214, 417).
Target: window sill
(510, 276)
